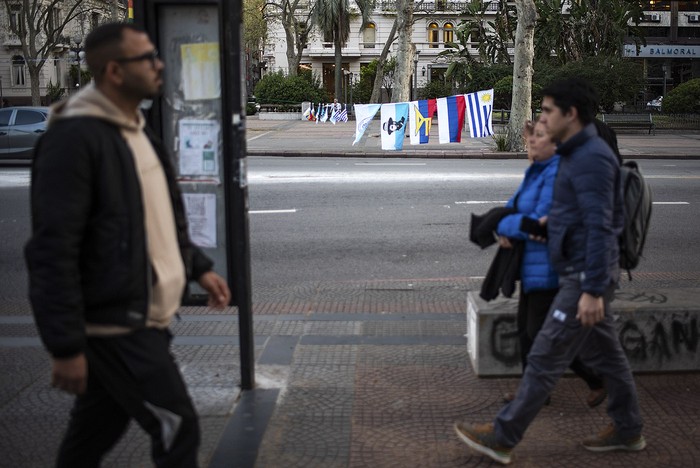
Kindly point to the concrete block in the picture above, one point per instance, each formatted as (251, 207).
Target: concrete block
(658, 329)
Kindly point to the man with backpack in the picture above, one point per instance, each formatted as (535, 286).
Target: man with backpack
(584, 226)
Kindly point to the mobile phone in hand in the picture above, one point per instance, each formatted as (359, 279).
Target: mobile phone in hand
(533, 226)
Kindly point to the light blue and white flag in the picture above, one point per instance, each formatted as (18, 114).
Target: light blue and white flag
(394, 123)
(479, 111)
(343, 114)
(364, 113)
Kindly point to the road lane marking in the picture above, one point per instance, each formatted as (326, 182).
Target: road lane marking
(390, 164)
(481, 202)
(670, 203)
(258, 136)
(294, 210)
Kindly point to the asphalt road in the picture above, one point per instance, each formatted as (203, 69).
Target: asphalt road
(360, 219)
(365, 219)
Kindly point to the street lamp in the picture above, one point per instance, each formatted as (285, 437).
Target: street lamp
(664, 69)
(347, 74)
(415, 75)
(79, 54)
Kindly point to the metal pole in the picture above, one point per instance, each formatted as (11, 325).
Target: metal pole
(415, 78)
(236, 186)
(663, 68)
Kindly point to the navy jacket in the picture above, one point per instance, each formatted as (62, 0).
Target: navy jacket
(586, 218)
(534, 200)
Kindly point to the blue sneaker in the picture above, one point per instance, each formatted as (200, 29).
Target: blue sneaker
(481, 438)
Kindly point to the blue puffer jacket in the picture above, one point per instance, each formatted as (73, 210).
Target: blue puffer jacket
(534, 200)
(586, 216)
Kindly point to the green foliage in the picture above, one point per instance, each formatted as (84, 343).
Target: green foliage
(85, 75)
(362, 90)
(276, 88)
(503, 91)
(485, 77)
(589, 28)
(500, 139)
(614, 79)
(250, 108)
(684, 99)
(54, 92)
(435, 89)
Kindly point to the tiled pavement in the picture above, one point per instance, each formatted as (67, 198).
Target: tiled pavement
(355, 374)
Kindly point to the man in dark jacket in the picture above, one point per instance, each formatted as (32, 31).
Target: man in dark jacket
(584, 224)
(109, 257)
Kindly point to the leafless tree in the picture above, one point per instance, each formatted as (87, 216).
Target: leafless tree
(39, 25)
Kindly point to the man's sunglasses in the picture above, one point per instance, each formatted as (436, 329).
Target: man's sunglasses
(152, 56)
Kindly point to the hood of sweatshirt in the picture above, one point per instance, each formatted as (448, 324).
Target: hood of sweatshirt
(91, 102)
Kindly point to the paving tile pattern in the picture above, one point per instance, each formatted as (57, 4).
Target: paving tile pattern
(386, 404)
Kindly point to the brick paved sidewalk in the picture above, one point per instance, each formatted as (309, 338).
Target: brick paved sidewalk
(352, 374)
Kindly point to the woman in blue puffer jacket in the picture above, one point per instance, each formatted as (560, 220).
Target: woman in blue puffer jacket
(539, 281)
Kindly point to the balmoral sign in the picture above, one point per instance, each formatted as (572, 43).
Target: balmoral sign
(662, 50)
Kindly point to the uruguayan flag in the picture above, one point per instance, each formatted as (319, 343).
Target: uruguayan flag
(480, 110)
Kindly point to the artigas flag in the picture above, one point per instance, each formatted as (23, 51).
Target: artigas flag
(450, 111)
(394, 123)
(420, 117)
(364, 113)
(480, 110)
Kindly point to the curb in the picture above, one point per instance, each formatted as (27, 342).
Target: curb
(439, 154)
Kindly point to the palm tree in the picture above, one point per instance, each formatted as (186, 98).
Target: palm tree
(333, 21)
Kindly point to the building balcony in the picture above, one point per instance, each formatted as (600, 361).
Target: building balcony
(12, 40)
(431, 6)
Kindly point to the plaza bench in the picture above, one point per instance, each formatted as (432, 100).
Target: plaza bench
(633, 121)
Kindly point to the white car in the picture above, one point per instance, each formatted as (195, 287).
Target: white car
(655, 104)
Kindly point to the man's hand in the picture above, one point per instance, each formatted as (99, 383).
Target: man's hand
(590, 310)
(70, 374)
(219, 294)
(504, 242)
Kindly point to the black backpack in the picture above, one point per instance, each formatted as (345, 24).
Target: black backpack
(636, 195)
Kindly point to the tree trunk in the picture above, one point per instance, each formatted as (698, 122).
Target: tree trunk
(521, 109)
(338, 70)
(377, 88)
(404, 53)
(34, 77)
(292, 57)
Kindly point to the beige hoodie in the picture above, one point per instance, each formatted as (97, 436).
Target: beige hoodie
(161, 233)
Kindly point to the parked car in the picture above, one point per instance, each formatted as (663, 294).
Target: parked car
(20, 128)
(655, 104)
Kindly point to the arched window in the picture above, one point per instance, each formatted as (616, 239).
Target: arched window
(369, 36)
(448, 33)
(18, 71)
(433, 35)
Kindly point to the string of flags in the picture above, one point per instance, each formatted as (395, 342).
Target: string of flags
(416, 117)
(330, 112)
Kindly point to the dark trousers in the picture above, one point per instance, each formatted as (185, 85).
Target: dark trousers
(132, 376)
(562, 338)
(532, 310)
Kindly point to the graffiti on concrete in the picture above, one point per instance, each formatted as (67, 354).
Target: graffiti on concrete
(505, 346)
(676, 336)
(651, 298)
(660, 340)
